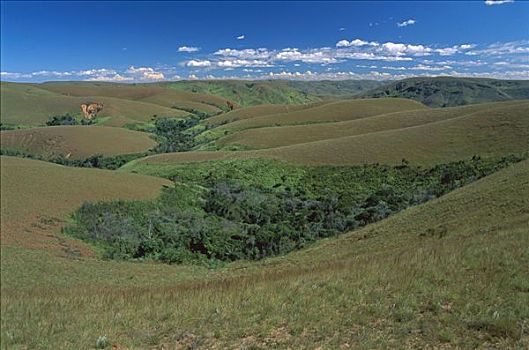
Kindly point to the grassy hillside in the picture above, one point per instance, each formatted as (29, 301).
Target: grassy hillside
(494, 132)
(270, 137)
(26, 104)
(138, 92)
(247, 93)
(449, 91)
(78, 141)
(461, 284)
(256, 111)
(36, 195)
(327, 112)
(251, 93)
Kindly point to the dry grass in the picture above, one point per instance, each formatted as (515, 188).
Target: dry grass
(78, 141)
(34, 104)
(388, 285)
(256, 111)
(289, 135)
(494, 132)
(328, 112)
(36, 196)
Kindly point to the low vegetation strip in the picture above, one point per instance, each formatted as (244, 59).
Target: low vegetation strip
(228, 211)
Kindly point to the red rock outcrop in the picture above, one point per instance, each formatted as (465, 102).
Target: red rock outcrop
(90, 110)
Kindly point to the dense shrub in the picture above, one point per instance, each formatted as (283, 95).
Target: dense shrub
(67, 119)
(214, 216)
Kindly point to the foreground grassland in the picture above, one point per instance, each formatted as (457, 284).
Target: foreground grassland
(77, 141)
(450, 273)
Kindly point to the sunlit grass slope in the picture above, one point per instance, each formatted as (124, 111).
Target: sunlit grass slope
(289, 135)
(451, 273)
(78, 142)
(328, 112)
(36, 193)
(25, 104)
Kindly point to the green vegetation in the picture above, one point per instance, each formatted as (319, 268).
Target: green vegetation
(449, 92)
(68, 119)
(212, 214)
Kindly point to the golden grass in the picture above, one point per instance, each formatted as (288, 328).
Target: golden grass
(78, 141)
(36, 196)
(388, 285)
(34, 104)
(328, 112)
(256, 111)
(495, 132)
(270, 137)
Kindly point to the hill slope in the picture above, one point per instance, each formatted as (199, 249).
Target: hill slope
(372, 287)
(270, 137)
(34, 191)
(30, 104)
(449, 91)
(327, 112)
(78, 141)
(494, 133)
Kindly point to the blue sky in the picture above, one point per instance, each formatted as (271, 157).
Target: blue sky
(152, 41)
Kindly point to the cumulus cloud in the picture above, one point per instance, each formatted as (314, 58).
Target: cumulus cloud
(188, 49)
(145, 73)
(406, 23)
(355, 42)
(198, 63)
(497, 2)
(241, 37)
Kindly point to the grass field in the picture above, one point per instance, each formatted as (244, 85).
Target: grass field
(328, 112)
(78, 141)
(36, 193)
(496, 132)
(461, 284)
(289, 135)
(256, 111)
(34, 104)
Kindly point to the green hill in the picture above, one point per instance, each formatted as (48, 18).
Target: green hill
(487, 133)
(460, 284)
(269, 137)
(78, 142)
(449, 91)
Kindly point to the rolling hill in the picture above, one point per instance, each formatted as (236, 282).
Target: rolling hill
(36, 192)
(78, 142)
(494, 132)
(327, 112)
(269, 137)
(257, 92)
(449, 91)
(373, 288)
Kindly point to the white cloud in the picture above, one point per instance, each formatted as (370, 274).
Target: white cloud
(497, 2)
(145, 73)
(188, 49)
(14, 75)
(355, 42)
(115, 77)
(241, 37)
(198, 63)
(342, 29)
(406, 23)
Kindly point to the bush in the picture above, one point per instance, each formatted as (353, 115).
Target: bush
(235, 215)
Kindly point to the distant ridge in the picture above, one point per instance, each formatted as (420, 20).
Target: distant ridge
(450, 91)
